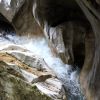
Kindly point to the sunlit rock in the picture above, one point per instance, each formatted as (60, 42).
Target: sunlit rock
(15, 88)
(31, 70)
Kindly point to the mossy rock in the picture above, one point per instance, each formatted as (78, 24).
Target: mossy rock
(14, 88)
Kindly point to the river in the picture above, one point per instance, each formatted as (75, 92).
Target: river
(66, 73)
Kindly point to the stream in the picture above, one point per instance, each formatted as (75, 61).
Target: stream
(66, 73)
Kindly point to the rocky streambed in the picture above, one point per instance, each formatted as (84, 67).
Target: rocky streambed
(29, 71)
(26, 76)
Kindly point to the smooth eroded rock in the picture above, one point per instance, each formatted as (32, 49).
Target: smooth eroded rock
(14, 88)
(32, 70)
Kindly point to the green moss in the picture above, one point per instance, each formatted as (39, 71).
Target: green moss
(24, 91)
(17, 89)
(40, 94)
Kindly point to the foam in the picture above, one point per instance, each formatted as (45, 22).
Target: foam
(64, 72)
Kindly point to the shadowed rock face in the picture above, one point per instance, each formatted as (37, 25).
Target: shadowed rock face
(66, 18)
(6, 26)
(55, 13)
(63, 16)
(90, 74)
(19, 15)
(24, 21)
(98, 2)
(9, 8)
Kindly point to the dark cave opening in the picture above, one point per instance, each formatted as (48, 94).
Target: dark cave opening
(86, 42)
(79, 55)
(5, 26)
(58, 12)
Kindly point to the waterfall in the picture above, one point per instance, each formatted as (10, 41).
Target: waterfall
(64, 72)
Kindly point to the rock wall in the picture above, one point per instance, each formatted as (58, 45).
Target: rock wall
(68, 32)
(24, 21)
(31, 18)
(24, 75)
(10, 8)
(19, 15)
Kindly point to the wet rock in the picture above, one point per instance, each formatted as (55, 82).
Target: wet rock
(14, 88)
(31, 60)
(18, 15)
(55, 37)
(28, 74)
(9, 8)
(66, 40)
(69, 41)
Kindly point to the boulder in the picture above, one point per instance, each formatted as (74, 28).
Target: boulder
(14, 88)
(23, 67)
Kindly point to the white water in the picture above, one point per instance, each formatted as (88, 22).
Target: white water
(64, 72)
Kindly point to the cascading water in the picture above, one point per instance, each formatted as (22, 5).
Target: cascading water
(65, 73)
(69, 77)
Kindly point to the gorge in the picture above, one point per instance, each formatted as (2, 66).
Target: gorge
(65, 33)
